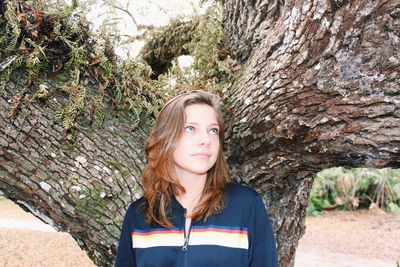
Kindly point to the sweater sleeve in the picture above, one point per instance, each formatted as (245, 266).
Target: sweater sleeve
(126, 253)
(262, 240)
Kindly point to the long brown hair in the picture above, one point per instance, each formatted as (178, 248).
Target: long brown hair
(159, 181)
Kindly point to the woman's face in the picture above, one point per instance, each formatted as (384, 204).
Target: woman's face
(198, 147)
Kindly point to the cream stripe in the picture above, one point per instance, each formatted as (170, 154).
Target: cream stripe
(157, 240)
(233, 240)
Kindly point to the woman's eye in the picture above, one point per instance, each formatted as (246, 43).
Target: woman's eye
(189, 129)
(214, 131)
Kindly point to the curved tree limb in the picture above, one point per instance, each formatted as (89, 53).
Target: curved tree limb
(320, 89)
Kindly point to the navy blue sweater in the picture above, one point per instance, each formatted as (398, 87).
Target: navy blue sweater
(241, 235)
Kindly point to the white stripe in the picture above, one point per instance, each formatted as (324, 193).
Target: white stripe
(157, 240)
(232, 240)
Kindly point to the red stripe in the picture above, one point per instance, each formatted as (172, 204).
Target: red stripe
(220, 230)
(158, 232)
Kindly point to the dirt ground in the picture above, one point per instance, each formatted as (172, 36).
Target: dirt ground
(26, 241)
(345, 239)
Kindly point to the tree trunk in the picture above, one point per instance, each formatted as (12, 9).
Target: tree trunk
(319, 87)
(81, 186)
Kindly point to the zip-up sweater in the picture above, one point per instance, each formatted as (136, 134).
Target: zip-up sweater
(241, 235)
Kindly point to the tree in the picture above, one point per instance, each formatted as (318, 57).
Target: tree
(318, 87)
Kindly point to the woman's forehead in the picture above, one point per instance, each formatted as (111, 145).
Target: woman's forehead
(197, 113)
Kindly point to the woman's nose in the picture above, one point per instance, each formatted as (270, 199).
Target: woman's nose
(204, 138)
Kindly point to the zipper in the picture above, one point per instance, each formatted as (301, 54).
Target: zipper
(184, 248)
(186, 243)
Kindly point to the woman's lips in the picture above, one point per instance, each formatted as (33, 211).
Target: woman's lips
(202, 155)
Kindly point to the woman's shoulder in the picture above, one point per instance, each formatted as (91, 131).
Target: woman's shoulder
(241, 192)
(137, 206)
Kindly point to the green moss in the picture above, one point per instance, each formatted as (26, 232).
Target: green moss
(113, 230)
(213, 60)
(214, 65)
(118, 166)
(56, 54)
(74, 180)
(53, 43)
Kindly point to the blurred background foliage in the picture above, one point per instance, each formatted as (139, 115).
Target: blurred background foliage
(358, 188)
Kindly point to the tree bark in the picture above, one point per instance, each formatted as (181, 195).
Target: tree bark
(79, 183)
(319, 87)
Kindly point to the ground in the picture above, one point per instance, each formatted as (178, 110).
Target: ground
(362, 238)
(345, 239)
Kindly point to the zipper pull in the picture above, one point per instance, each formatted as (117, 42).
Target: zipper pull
(185, 245)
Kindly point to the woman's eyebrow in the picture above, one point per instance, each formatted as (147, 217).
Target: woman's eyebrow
(195, 123)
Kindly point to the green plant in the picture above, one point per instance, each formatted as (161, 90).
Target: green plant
(213, 64)
(213, 61)
(340, 188)
(49, 47)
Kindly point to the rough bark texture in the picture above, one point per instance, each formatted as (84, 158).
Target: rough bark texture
(82, 187)
(319, 88)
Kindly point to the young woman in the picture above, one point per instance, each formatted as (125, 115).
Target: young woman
(191, 214)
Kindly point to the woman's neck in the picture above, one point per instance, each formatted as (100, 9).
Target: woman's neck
(194, 186)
